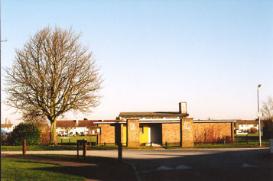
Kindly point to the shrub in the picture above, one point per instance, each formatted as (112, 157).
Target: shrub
(27, 131)
(268, 129)
(4, 137)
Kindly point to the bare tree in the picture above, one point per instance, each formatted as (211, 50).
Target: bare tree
(36, 117)
(53, 74)
(267, 109)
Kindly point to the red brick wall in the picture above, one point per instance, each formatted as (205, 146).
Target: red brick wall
(187, 132)
(202, 132)
(170, 133)
(132, 132)
(212, 132)
(107, 134)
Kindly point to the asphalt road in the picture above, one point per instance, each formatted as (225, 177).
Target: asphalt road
(208, 165)
(191, 164)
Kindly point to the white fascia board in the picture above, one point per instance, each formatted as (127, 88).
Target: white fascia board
(108, 122)
(160, 119)
(214, 121)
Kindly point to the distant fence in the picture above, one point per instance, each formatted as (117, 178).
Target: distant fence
(248, 140)
(73, 139)
(238, 140)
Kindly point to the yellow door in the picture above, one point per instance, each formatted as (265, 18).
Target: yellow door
(144, 135)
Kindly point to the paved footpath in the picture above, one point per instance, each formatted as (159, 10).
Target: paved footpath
(138, 154)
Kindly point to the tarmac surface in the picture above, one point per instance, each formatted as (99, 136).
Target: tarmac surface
(140, 154)
(189, 164)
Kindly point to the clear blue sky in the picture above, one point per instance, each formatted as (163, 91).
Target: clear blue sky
(153, 54)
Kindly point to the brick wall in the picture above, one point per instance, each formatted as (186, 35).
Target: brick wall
(170, 133)
(107, 134)
(133, 133)
(212, 132)
(187, 133)
(201, 133)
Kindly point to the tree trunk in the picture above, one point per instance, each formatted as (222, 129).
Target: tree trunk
(53, 136)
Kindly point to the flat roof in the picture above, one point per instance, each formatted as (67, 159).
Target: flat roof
(151, 114)
(215, 121)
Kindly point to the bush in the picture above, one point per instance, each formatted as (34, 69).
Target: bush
(4, 137)
(27, 131)
(268, 129)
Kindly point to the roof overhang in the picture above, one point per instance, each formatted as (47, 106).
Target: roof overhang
(214, 121)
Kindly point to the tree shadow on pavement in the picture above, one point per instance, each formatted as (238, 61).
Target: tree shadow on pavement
(246, 165)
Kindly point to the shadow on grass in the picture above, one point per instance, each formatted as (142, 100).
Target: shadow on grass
(92, 167)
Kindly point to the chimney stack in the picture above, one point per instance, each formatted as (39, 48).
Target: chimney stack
(183, 108)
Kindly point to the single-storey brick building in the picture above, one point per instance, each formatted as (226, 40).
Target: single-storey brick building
(160, 128)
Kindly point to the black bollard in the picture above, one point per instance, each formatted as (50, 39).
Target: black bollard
(119, 143)
(77, 148)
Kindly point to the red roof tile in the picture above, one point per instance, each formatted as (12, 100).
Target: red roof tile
(6, 125)
(66, 123)
(86, 123)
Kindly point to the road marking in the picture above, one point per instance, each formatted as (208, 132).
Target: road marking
(182, 167)
(162, 167)
(246, 165)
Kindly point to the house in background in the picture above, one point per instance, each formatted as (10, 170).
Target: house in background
(66, 127)
(7, 127)
(76, 127)
(87, 127)
(246, 126)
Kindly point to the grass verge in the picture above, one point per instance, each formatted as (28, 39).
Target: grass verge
(56, 147)
(41, 167)
(24, 170)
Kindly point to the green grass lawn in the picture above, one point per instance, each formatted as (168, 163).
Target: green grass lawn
(56, 147)
(248, 134)
(39, 147)
(230, 145)
(65, 143)
(25, 170)
(238, 143)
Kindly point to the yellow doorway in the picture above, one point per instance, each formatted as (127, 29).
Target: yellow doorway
(145, 134)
